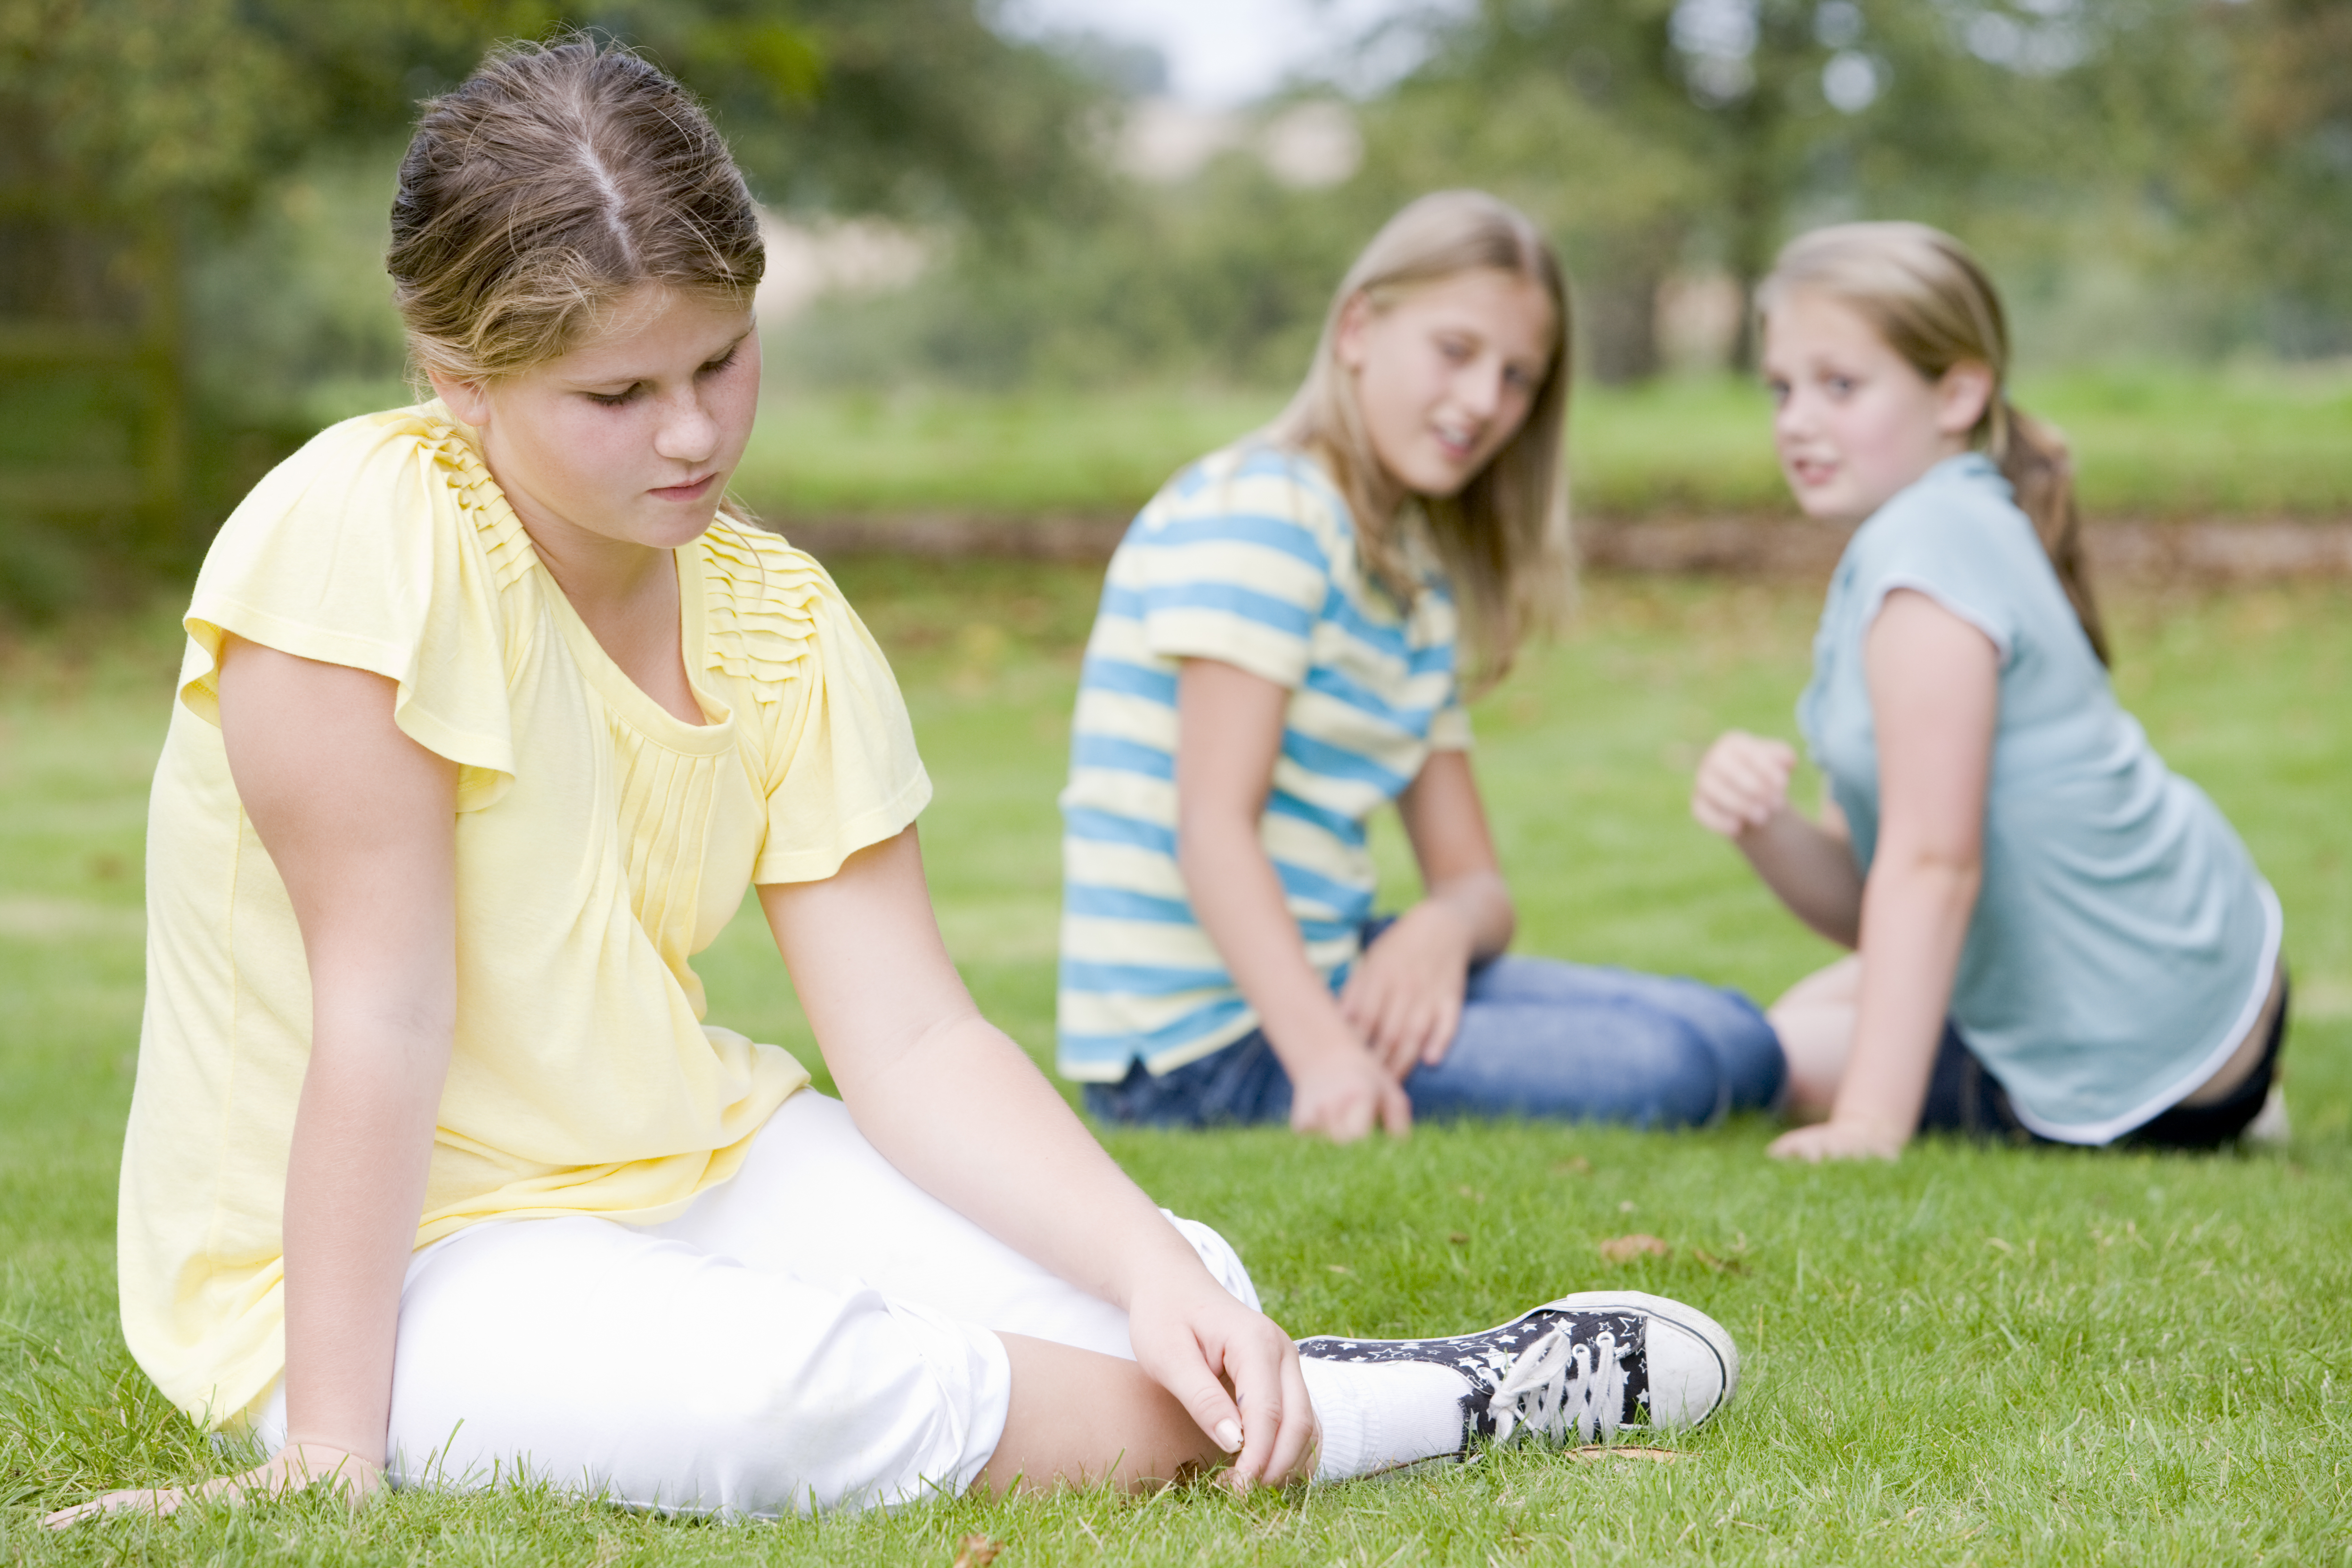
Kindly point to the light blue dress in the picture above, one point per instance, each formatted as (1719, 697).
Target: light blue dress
(2123, 941)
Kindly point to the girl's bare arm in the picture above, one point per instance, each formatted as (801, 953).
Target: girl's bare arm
(359, 821)
(949, 1101)
(1229, 727)
(1742, 792)
(1405, 993)
(1935, 699)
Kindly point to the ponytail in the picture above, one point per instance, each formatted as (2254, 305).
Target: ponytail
(2034, 459)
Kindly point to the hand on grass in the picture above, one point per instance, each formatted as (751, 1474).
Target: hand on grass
(1235, 1372)
(1344, 1094)
(1836, 1139)
(1742, 783)
(295, 1467)
(1404, 995)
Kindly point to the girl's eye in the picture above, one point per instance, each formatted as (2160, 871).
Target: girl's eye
(1778, 390)
(723, 360)
(616, 399)
(1454, 349)
(1519, 377)
(1840, 385)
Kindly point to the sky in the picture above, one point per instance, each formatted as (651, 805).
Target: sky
(1221, 53)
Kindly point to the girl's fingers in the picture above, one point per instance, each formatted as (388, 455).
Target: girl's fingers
(1196, 1387)
(1401, 1041)
(1342, 1119)
(158, 1501)
(1738, 797)
(1442, 1031)
(1412, 1036)
(1256, 1372)
(1293, 1458)
(1721, 812)
(1384, 1022)
(1396, 1112)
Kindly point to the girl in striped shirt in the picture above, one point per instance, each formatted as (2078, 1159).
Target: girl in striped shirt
(1273, 659)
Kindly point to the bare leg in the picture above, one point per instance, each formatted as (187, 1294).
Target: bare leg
(1082, 1419)
(1814, 1019)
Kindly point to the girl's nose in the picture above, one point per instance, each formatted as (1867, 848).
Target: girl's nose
(1480, 390)
(686, 433)
(1795, 415)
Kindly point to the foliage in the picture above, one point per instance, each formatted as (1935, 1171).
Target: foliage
(2061, 129)
(2276, 189)
(224, 164)
(2180, 172)
(913, 104)
(1977, 1356)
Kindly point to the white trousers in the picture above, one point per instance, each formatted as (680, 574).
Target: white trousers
(818, 1333)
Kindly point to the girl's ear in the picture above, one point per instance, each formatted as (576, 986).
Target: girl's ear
(1348, 342)
(468, 400)
(1962, 394)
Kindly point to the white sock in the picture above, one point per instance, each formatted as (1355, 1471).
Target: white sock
(1377, 1415)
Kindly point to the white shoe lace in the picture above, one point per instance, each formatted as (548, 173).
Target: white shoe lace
(1557, 1387)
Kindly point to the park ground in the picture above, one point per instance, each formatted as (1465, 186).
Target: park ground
(1977, 1355)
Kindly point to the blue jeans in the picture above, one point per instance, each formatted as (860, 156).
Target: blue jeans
(1538, 1037)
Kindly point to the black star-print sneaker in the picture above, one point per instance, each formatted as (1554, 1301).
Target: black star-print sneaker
(1578, 1369)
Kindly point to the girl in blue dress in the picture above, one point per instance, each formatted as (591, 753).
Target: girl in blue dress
(2054, 938)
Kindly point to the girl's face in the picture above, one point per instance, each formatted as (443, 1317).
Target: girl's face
(630, 438)
(1445, 374)
(1853, 422)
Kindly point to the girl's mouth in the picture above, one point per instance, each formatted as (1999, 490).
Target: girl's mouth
(696, 490)
(1456, 446)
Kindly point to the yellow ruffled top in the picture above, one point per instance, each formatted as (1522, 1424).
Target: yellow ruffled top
(602, 842)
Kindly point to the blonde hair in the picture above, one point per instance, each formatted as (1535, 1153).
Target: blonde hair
(553, 181)
(1503, 541)
(1933, 304)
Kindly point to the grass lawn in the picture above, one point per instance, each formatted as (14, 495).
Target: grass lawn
(1974, 1356)
(2159, 443)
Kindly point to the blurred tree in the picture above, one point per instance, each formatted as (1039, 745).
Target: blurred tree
(906, 105)
(2274, 187)
(138, 139)
(1654, 133)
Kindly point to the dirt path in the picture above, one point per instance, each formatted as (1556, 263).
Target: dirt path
(2252, 551)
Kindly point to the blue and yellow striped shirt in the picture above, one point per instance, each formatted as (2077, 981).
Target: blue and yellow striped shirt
(1247, 557)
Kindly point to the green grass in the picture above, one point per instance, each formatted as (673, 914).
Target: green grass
(2158, 443)
(1974, 1356)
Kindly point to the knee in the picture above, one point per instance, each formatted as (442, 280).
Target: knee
(1689, 1087)
(1747, 1048)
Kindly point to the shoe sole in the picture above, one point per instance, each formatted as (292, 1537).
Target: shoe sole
(1693, 1367)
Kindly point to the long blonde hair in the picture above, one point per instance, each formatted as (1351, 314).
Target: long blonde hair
(1503, 541)
(1934, 305)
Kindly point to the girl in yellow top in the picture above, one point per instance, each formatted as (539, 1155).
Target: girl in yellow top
(490, 713)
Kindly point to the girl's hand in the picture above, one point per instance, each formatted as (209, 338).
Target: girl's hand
(1841, 1140)
(1235, 1372)
(1742, 784)
(1344, 1093)
(1404, 995)
(297, 1467)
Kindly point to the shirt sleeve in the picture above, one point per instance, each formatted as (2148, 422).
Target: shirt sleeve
(1449, 726)
(381, 545)
(1233, 568)
(841, 770)
(1953, 546)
